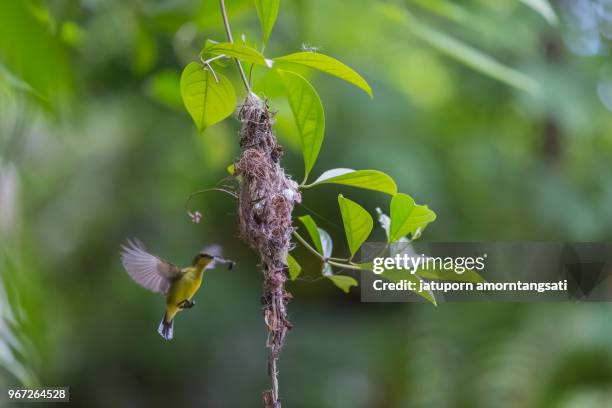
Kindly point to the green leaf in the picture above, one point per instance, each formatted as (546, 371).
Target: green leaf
(231, 169)
(395, 275)
(207, 101)
(419, 218)
(33, 55)
(241, 51)
(461, 51)
(325, 64)
(313, 231)
(401, 208)
(267, 11)
(367, 179)
(321, 240)
(294, 267)
(308, 114)
(544, 8)
(407, 217)
(357, 223)
(343, 282)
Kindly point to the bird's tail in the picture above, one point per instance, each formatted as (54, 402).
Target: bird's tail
(166, 329)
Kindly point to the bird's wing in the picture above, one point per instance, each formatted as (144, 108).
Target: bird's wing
(146, 269)
(213, 249)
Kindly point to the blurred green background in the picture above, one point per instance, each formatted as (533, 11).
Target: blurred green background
(95, 147)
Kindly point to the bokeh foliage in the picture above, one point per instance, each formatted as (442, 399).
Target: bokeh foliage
(96, 147)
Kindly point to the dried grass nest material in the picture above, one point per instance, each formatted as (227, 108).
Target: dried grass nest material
(267, 195)
(265, 204)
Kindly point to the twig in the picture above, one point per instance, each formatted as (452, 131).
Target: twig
(308, 246)
(339, 259)
(228, 31)
(222, 190)
(197, 216)
(207, 63)
(330, 261)
(352, 266)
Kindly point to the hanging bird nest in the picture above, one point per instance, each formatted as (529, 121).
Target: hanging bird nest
(266, 200)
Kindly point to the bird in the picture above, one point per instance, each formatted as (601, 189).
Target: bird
(177, 285)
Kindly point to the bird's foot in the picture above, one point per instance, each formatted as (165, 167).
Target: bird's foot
(186, 304)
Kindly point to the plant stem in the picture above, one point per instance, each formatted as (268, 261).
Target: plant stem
(322, 258)
(345, 266)
(308, 246)
(228, 31)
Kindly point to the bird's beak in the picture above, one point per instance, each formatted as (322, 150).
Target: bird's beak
(230, 264)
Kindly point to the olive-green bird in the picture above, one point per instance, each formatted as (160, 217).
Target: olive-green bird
(178, 285)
